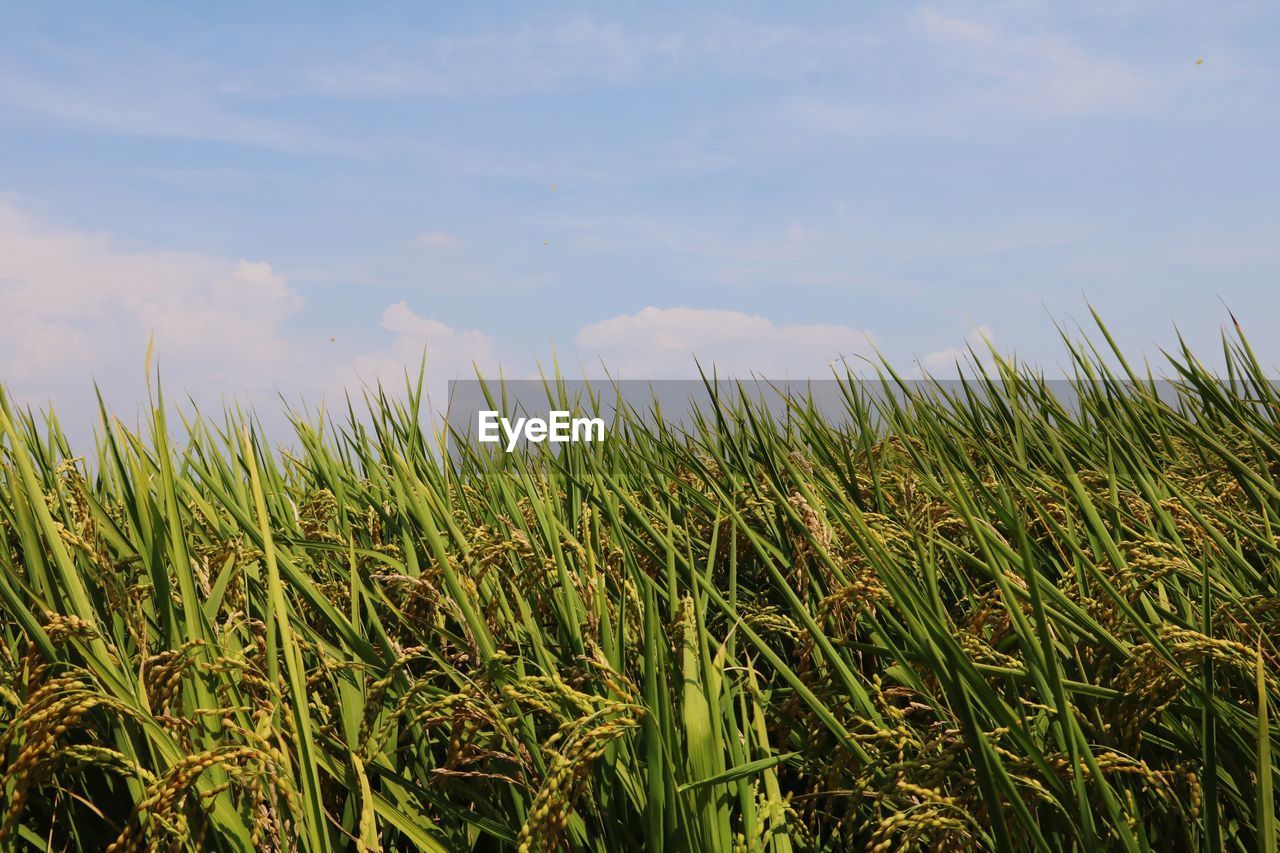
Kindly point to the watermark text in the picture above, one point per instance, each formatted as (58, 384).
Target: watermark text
(558, 427)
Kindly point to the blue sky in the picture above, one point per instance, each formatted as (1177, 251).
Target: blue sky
(303, 196)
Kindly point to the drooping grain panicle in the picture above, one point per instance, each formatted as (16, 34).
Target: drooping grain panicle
(974, 616)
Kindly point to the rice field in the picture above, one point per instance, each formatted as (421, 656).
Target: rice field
(960, 620)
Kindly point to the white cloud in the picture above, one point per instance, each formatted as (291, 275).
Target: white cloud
(1044, 75)
(942, 363)
(450, 354)
(652, 343)
(156, 105)
(972, 71)
(79, 305)
(76, 302)
(584, 51)
(438, 240)
(664, 342)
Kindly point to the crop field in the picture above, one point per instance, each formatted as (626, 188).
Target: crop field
(963, 619)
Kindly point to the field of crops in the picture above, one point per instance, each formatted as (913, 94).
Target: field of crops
(978, 620)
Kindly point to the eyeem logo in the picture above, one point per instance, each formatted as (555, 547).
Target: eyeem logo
(558, 428)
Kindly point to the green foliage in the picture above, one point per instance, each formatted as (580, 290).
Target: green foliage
(963, 619)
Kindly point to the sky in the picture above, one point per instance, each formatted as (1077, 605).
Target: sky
(300, 198)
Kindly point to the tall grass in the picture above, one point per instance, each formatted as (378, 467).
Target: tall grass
(963, 619)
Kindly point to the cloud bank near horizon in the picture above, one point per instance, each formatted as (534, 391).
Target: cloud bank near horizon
(81, 307)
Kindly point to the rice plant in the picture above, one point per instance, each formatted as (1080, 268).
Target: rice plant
(961, 618)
